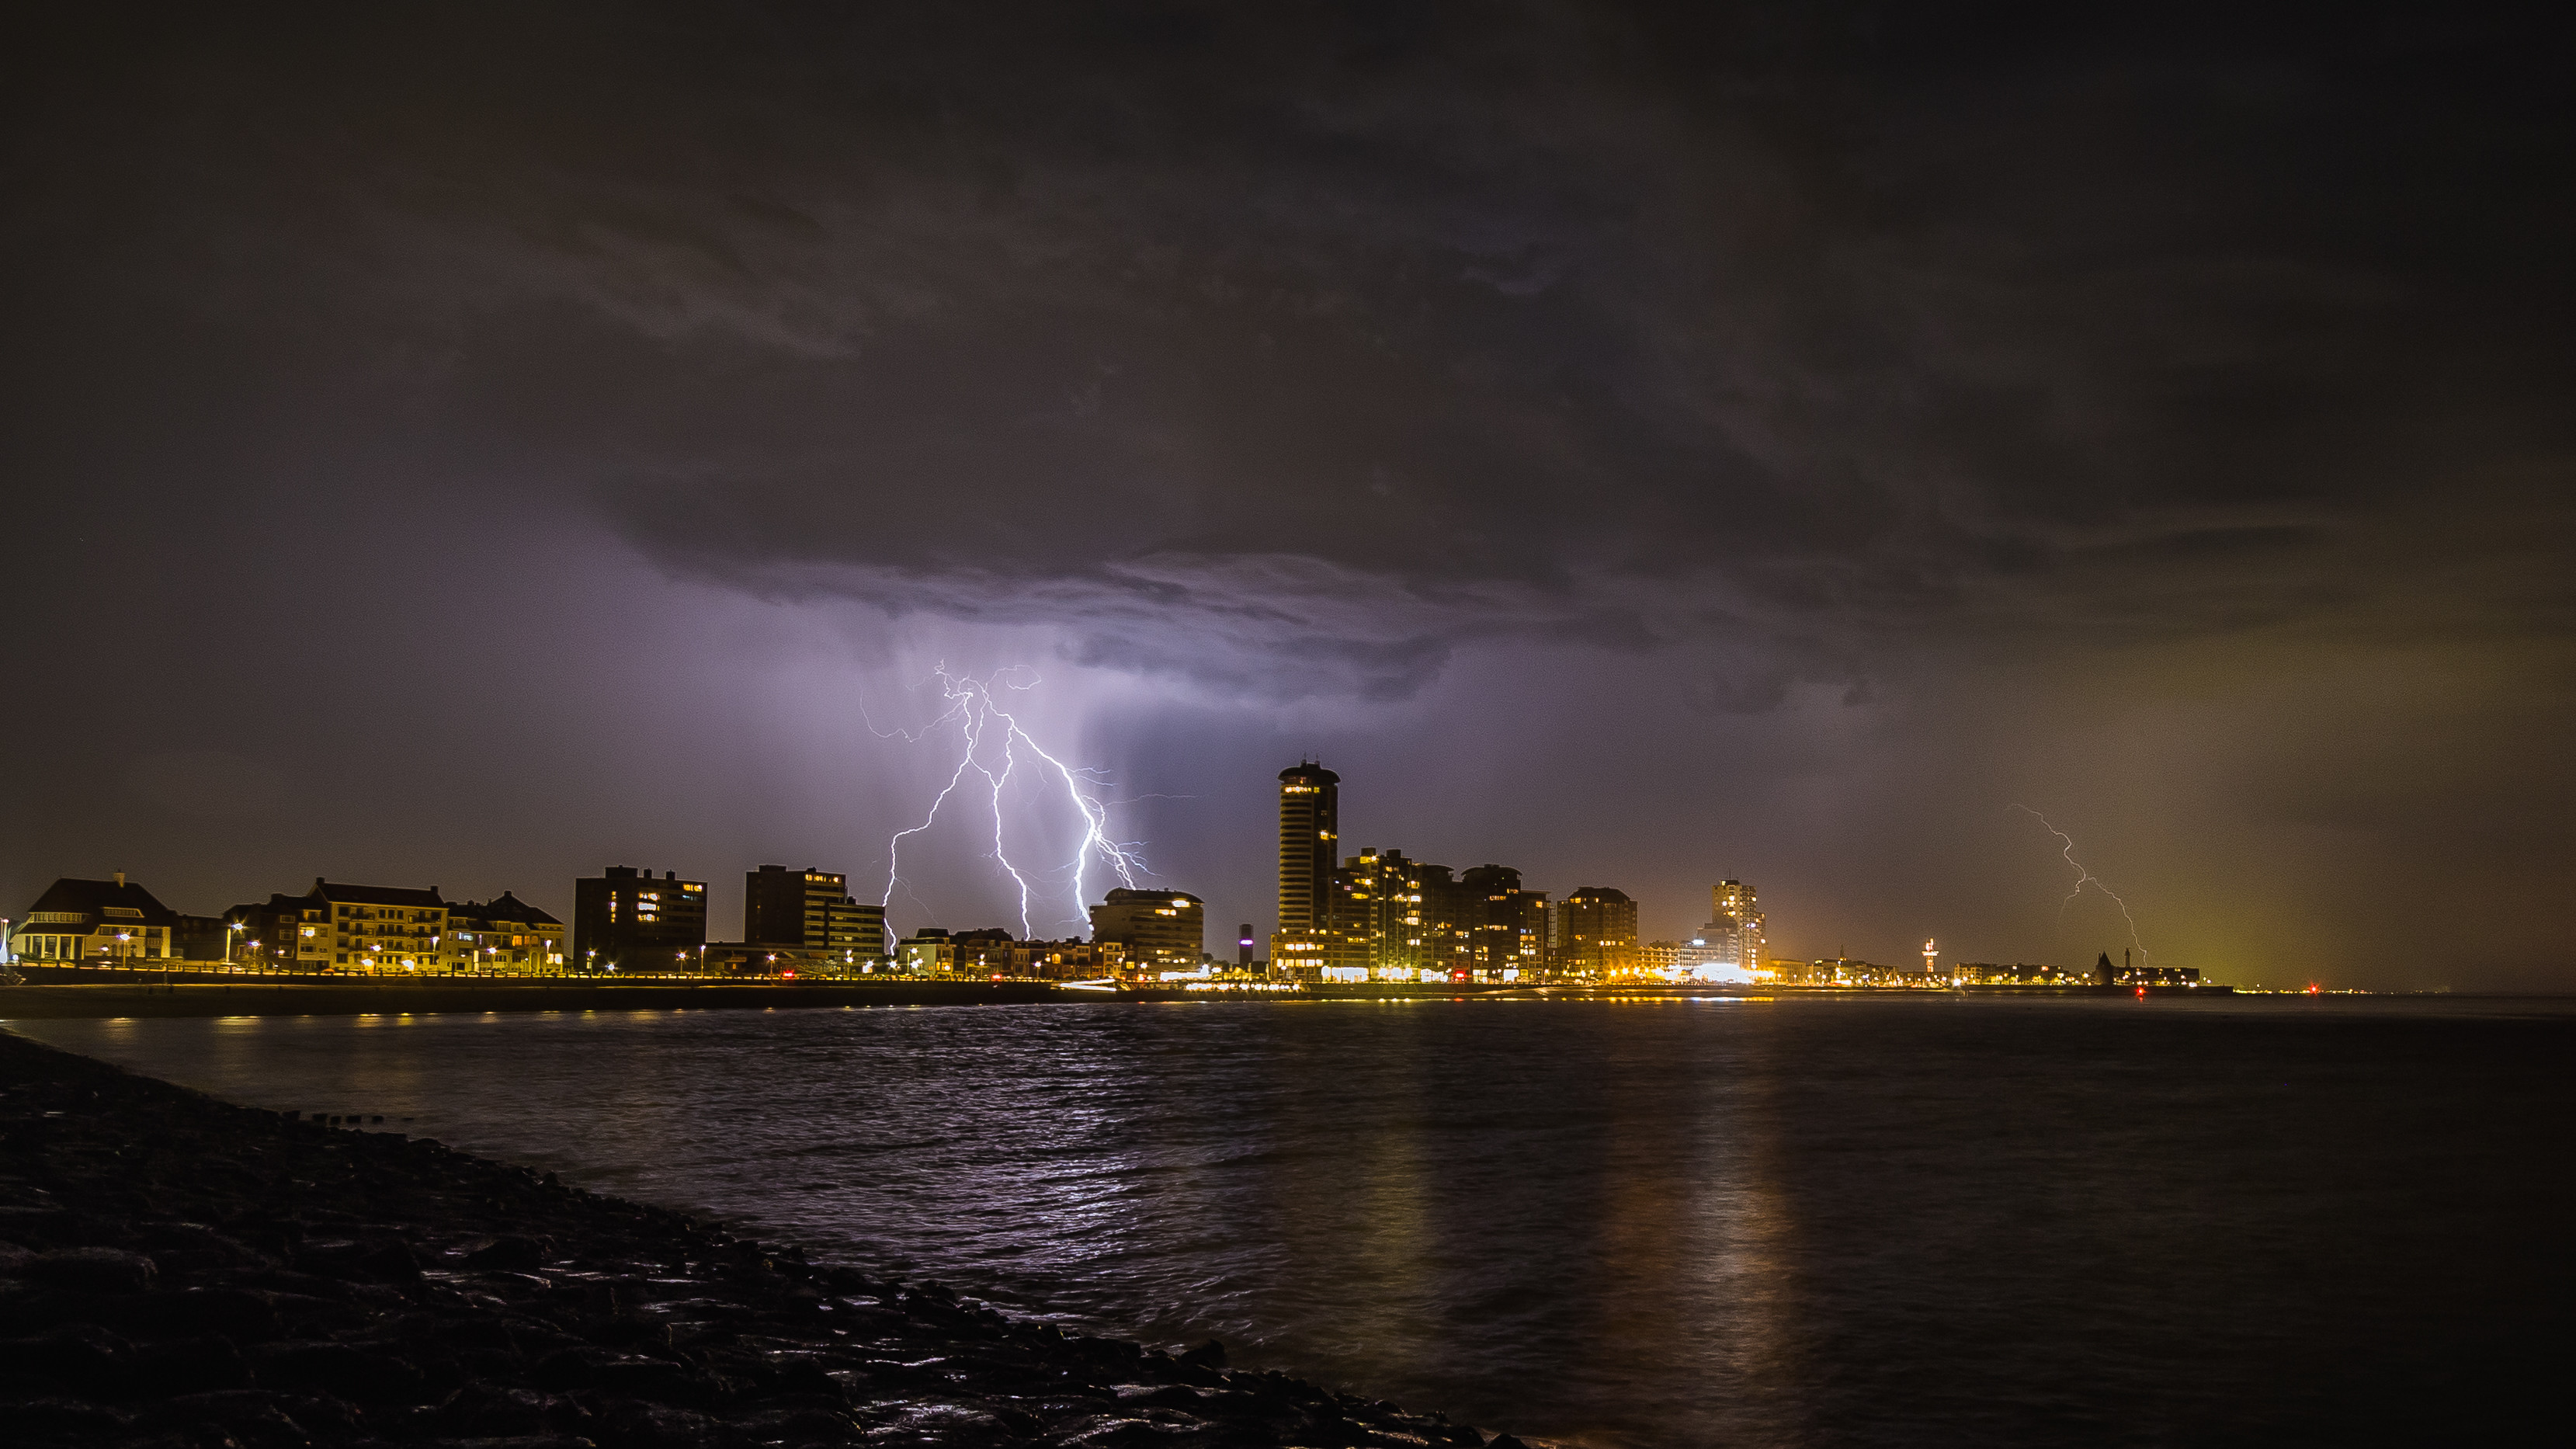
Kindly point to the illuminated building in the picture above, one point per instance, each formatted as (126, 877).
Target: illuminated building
(1379, 930)
(1243, 944)
(810, 909)
(1162, 930)
(1506, 926)
(96, 921)
(1309, 836)
(1666, 958)
(2018, 973)
(1733, 902)
(629, 920)
(503, 934)
(994, 953)
(927, 952)
(285, 933)
(1593, 932)
(384, 928)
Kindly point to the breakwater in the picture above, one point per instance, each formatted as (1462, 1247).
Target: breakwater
(179, 1271)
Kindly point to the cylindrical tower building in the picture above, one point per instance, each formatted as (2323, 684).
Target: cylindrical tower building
(1309, 833)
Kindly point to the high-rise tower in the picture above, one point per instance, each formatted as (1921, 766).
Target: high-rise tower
(1732, 902)
(1309, 830)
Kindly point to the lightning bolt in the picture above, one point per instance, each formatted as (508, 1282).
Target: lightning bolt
(2085, 878)
(985, 729)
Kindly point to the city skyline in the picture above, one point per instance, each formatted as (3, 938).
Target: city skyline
(1374, 914)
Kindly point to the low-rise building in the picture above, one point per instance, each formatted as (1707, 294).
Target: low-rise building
(96, 921)
(927, 952)
(379, 929)
(504, 936)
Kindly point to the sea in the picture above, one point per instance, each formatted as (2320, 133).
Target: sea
(1901, 1220)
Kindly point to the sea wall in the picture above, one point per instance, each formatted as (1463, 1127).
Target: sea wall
(186, 1274)
(394, 995)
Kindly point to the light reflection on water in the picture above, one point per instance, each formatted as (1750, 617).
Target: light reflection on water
(1671, 1223)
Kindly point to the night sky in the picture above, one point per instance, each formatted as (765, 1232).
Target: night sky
(476, 445)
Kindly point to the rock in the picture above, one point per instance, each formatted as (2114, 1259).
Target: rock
(252, 1420)
(512, 1254)
(85, 1362)
(240, 1314)
(358, 1375)
(91, 1270)
(42, 1423)
(1210, 1354)
(185, 1366)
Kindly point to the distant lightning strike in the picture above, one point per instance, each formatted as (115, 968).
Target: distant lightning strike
(2084, 878)
(974, 708)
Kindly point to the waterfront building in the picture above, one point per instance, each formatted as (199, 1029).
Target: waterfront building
(372, 929)
(1160, 930)
(1506, 926)
(1732, 902)
(1071, 959)
(283, 933)
(1844, 971)
(1309, 838)
(812, 909)
(508, 936)
(202, 938)
(98, 921)
(927, 952)
(1377, 929)
(2018, 973)
(1593, 932)
(1444, 928)
(768, 958)
(632, 920)
(1666, 958)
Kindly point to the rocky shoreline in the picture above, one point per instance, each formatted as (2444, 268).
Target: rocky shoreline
(183, 1273)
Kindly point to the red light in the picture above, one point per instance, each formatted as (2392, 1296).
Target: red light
(2142, 993)
(789, 973)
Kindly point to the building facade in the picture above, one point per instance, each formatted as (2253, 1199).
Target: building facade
(634, 921)
(1733, 904)
(1593, 933)
(1309, 839)
(379, 929)
(1506, 926)
(503, 936)
(811, 909)
(1161, 930)
(97, 921)
(927, 952)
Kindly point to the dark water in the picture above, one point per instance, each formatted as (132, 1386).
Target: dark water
(1805, 1222)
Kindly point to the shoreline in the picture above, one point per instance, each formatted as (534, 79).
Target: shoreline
(147, 996)
(185, 1273)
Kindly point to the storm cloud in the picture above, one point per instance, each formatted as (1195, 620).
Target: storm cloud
(1954, 371)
